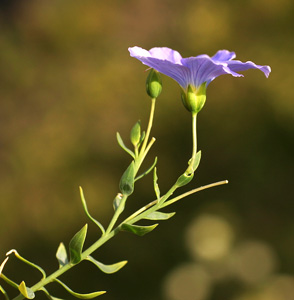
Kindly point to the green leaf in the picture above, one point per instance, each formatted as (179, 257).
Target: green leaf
(142, 138)
(117, 200)
(121, 143)
(50, 297)
(87, 212)
(25, 291)
(127, 180)
(157, 215)
(135, 135)
(9, 281)
(4, 293)
(156, 187)
(108, 269)
(3, 264)
(27, 262)
(148, 171)
(77, 295)
(138, 230)
(76, 245)
(61, 255)
(184, 179)
(196, 161)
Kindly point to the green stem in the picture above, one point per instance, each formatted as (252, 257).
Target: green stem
(117, 213)
(143, 150)
(194, 134)
(190, 169)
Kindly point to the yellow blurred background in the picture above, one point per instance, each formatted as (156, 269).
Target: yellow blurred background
(67, 84)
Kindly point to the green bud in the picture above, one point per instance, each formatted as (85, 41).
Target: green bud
(135, 135)
(194, 98)
(127, 180)
(153, 84)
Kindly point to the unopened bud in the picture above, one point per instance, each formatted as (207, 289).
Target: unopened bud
(135, 135)
(153, 84)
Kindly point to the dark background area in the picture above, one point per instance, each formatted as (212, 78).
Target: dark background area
(67, 85)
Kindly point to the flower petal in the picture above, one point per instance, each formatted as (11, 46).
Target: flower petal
(165, 53)
(237, 66)
(204, 69)
(223, 55)
(174, 70)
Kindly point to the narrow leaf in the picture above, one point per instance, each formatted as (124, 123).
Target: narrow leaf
(138, 230)
(50, 297)
(155, 184)
(27, 262)
(121, 143)
(184, 179)
(196, 161)
(108, 269)
(117, 201)
(87, 212)
(25, 291)
(3, 264)
(61, 255)
(4, 293)
(148, 171)
(127, 180)
(142, 138)
(76, 245)
(9, 281)
(77, 295)
(157, 215)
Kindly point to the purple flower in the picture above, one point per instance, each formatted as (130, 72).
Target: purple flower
(193, 71)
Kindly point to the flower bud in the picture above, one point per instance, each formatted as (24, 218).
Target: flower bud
(153, 84)
(135, 135)
(194, 98)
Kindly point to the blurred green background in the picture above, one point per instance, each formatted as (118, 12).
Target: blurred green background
(67, 84)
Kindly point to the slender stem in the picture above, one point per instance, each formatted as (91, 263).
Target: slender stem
(153, 102)
(117, 213)
(194, 134)
(205, 187)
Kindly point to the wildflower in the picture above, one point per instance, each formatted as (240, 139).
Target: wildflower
(194, 73)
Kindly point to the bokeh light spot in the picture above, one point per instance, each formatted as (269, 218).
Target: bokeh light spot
(209, 237)
(187, 282)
